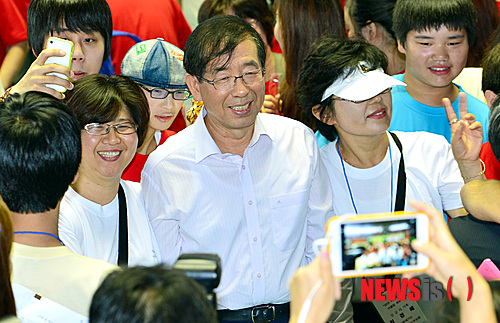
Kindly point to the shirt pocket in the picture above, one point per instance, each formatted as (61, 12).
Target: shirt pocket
(288, 212)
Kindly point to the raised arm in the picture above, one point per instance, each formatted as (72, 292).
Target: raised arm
(466, 140)
(36, 77)
(13, 62)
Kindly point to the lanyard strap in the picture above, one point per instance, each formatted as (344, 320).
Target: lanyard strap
(123, 228)
(401, 190)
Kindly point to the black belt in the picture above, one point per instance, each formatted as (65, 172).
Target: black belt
(257, 314)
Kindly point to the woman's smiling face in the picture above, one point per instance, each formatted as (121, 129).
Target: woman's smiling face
(108, 155)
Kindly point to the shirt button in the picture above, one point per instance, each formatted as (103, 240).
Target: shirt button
(259, 275)
(255, 239)
(243, 167)
(250, 202)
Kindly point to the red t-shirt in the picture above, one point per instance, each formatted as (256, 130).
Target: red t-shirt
(13, 28)
(134, 169)
(23, 5)
(492, 165)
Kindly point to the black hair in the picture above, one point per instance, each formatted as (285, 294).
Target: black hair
(246, 9)
(40, 151)
(420, 15)
(329, 60)
(494, 128)
(150, 294)
(217, 37)
(99, 99)
(48, 16)
(363, 12)
(491, 71)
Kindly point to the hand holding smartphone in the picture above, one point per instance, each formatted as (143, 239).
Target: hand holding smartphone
(67, 47)
(375, 244)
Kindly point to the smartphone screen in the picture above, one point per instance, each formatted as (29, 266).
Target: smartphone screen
(378, 244)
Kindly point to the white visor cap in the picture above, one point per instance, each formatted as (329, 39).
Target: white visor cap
(361, 85)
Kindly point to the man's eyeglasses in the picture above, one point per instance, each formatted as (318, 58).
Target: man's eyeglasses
(361, 101)
(100, 129)
(225, 83)
(160, 93)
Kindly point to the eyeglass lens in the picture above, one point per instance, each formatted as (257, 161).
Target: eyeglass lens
(228, 82)
(125, 128)
(159, 93)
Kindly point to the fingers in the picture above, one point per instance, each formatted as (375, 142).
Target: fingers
(440, 228)
(46, 53)
(463, 105)
(458, 132)
(476, 126)
(450, 113)
(428, 249)
(39, 75)
(51, 91)
(452, 116)
(325, 266)
(270, 104)
(55, 68)
(469, 117)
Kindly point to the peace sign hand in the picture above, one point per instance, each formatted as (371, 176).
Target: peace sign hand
(466, 138)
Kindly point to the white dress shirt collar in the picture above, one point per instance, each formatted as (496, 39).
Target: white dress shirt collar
(205, 144)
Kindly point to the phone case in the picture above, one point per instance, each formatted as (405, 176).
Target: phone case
(489, 270)
(334, 235)
(67, 47)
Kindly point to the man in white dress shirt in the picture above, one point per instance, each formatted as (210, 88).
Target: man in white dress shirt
(249, 187)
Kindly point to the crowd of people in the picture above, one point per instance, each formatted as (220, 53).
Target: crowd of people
(303, 110)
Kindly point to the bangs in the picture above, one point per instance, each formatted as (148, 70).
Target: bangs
(107, 112)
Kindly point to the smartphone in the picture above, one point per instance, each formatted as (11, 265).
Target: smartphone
(67, 47)
(376, 244)
(489, 270)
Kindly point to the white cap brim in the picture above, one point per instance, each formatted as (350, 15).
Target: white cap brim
(360, 86)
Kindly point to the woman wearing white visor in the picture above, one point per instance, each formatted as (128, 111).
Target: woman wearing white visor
(344, 89)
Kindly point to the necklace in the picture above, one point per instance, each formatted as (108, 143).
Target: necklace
(39, 232)
(349, 186)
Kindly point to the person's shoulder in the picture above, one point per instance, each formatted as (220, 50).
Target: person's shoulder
(289, 134)
(422, 136)
(95, 265)
(279, 123)
(174, 144)
(132, 187)
(73, 205)
(181, 138)
(90, 269)
(422, 141)
(329, 150)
